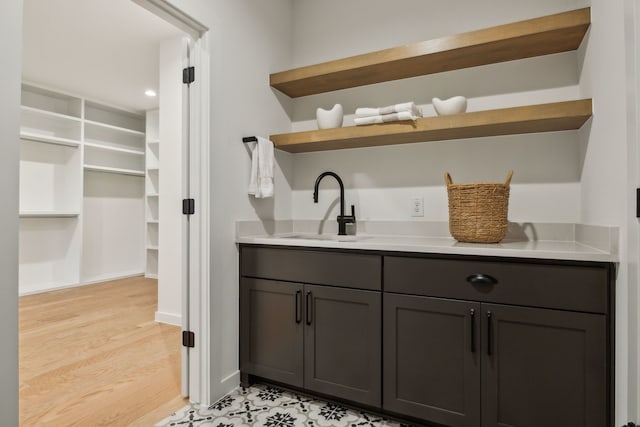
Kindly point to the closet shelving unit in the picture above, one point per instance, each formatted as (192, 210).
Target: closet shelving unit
(534, 37)
(113, 140)
(50, 188)
(152, 193)
(61, 137)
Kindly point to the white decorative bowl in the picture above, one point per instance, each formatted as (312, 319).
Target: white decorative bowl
(445, 107)
(328, 119)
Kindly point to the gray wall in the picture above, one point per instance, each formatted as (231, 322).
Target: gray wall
(10, 45)
(247, 40)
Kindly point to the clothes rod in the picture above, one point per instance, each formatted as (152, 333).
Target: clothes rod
(246, 139)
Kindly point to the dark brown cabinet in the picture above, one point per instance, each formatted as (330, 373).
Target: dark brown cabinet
(543, 368)
(432, 359)
(526, 343)
(451, 340)
(272, 330)
(342, 343)
(536, 366)
(325, 339)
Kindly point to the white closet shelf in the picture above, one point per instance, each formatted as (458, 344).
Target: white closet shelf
(115, 128)
(112, 148)
(153, 141)
(153, 195)
(47, 139)
(49, 214)
(153, 221)
(152, 247)
(153, 169)
(107, 169)
(58, 235)
(46, 113)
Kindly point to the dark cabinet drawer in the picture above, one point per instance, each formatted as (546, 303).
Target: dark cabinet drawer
(567, 287)
(351, 270)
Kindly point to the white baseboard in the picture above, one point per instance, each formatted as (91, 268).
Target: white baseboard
(230, 382)
(50, 288)
(107, 277)
(169, 318)
(224, 387)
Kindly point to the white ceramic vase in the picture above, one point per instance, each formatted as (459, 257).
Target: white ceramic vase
(445, 107)
(328, 119)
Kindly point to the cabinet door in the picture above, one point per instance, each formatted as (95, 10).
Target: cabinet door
(271, 343)
(342, 343)
(432, 359)
(543, 368)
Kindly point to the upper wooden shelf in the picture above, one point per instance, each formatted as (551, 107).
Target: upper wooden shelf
(534, 37)
(568, 115)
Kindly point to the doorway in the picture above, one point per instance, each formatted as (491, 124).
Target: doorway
(99, 191)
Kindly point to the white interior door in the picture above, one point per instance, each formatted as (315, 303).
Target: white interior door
(194, 280)
(197, 289)
(195, 296)
(186, 192)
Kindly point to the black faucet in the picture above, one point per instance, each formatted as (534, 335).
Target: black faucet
(342, 219)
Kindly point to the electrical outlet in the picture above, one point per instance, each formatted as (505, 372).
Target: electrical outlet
(417, 206)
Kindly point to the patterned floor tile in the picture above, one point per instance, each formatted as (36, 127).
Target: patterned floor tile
(268, 406)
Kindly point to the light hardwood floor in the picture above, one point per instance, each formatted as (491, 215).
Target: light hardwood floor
(94, 356)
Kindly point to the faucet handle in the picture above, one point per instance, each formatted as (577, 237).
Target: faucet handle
(353, 213)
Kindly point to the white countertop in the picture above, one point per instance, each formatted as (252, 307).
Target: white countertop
(553, 241)
(540, 249)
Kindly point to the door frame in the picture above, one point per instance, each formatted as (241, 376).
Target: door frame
(198, 316)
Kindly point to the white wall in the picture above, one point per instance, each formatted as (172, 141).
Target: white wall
(247, 40)
(113, 227)
(10, 45)
(559, 177)
(632, 35)
(170, 229)
(588, 177)
(382, 181)
(608, 177)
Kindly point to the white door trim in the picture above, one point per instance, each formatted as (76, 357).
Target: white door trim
(174, 16)
(199, 247)
(199, 307)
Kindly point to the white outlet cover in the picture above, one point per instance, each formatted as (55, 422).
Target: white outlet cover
(417, 206)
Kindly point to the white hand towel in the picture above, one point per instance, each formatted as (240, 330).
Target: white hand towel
(262, 163)
(397, 108)
(385, 118)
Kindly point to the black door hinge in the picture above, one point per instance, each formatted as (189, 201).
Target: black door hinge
(188, 75)
(188, 206)
(637, 202)
(188, 339)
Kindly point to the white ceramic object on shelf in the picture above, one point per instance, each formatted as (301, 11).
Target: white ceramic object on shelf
(445, 107)
(328, 119)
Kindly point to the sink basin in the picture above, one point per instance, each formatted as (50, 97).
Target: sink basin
(325, 237)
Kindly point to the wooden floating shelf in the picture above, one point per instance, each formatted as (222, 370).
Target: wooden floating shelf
(568, 115)
(525, 39)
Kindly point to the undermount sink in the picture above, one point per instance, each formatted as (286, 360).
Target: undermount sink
(326, 237)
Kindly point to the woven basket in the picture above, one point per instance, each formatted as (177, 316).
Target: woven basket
(478, 211)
